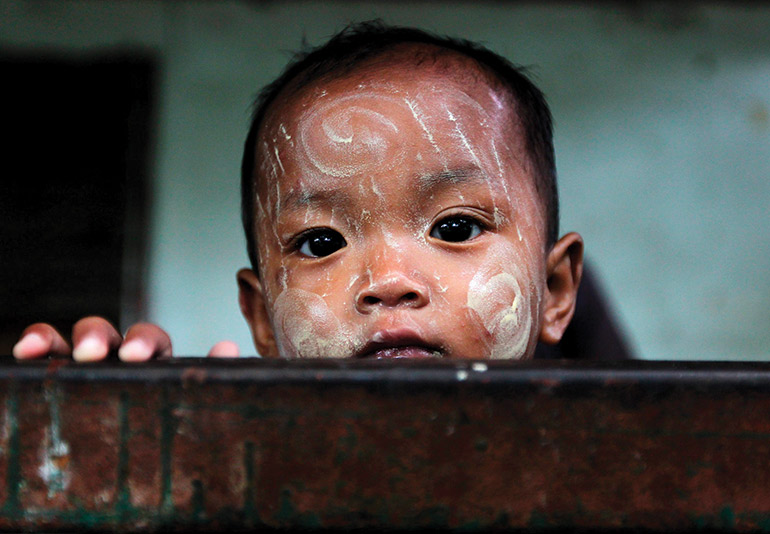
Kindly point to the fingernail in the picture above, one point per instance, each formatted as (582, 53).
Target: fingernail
(134, 350)
(90, 348)
(30, 345)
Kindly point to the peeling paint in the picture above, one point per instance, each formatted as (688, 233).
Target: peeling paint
(55, 467)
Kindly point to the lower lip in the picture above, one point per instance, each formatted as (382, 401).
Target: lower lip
(404, 352)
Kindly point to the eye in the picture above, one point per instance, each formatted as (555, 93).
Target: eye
(320, 243)
(455, 229)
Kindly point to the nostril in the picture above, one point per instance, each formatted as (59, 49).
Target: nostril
(373, 298)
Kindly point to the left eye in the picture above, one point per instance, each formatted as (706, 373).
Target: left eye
(456, 229)
(320, 243)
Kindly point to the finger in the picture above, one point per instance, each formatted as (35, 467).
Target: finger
(144, 341)
(225, 349)
(38, 340)
(93, 338)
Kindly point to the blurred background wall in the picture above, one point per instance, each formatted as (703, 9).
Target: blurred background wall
(662, 140)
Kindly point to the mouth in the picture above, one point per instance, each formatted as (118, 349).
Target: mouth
(398, 344)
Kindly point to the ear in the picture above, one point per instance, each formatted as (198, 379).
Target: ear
(564, 268)
(252, 300)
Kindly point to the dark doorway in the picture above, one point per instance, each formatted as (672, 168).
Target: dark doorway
(74, 193)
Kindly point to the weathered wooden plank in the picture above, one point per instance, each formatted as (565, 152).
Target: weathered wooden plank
(204, 444)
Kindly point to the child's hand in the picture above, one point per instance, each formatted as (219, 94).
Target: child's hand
(93, 338)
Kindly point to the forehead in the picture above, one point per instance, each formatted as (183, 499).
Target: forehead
(409, 70)
(406, 97)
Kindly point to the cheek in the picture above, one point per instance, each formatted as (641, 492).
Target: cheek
(306, 327)
(503, 301)
(503, 312)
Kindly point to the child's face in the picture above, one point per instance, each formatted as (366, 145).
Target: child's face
(397, 217)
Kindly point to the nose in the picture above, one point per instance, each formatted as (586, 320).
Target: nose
(392, 290)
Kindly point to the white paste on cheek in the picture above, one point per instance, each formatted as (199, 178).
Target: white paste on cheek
(306, 327)
(504, 312)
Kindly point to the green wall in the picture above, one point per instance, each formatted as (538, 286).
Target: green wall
(662, 138)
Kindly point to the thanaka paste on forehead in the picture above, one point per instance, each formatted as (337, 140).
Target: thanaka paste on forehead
(363, 148)
(418, 117)
(463, 99)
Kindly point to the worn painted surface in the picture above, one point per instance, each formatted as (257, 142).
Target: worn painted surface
(197, 444)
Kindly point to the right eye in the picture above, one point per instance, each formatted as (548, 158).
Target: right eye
(320, 243)
(456, 229)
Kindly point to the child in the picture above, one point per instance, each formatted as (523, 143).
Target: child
(399, 201)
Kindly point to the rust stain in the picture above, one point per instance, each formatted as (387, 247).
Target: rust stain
(54, 364)
(548, 383)
(192, 376)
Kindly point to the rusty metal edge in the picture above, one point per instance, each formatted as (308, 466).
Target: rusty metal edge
(539, 373)
(590, 376)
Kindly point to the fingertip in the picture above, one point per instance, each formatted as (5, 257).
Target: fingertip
(89, 349)
(144, 341)
(98, 328)
(135, 350)
(225, 349)
(32, 345)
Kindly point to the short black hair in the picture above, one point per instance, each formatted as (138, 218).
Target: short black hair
(359, 42)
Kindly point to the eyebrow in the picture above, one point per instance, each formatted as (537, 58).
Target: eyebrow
(462, 175)
(300, 198)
